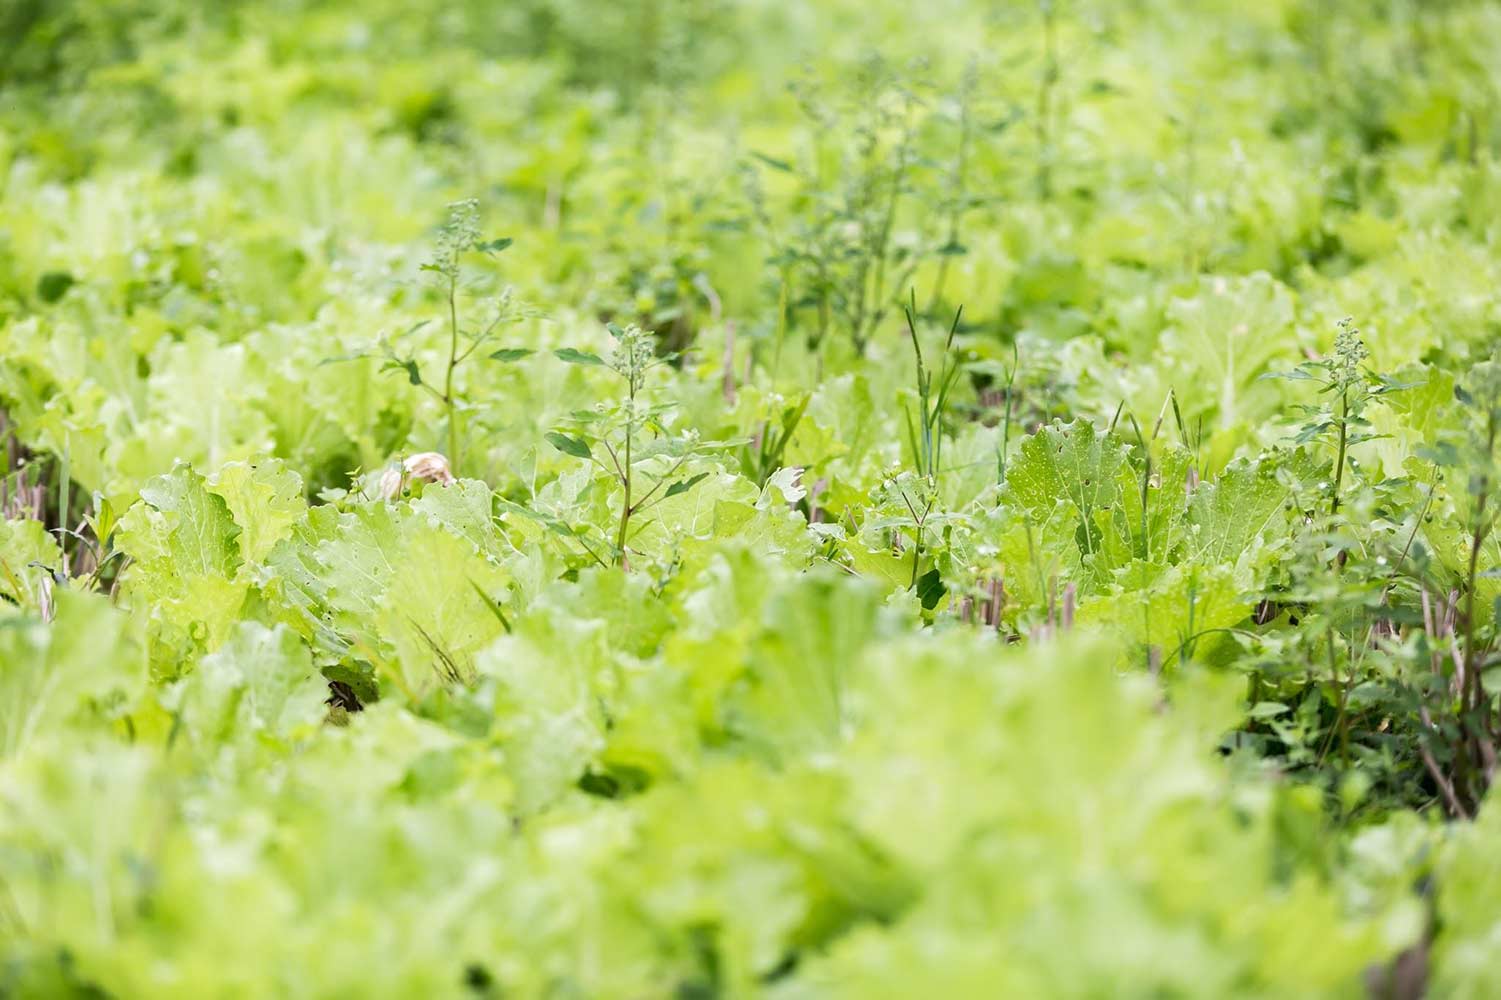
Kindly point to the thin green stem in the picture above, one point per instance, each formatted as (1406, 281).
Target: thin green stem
(453, 362)
(625, 477)
(1477, 541)
(1339, 463)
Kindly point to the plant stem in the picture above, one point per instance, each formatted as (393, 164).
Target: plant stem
(1006, 424)
(64, 487)
(1473, 687)
(916, 557)
(1339, 464)
(917, 545)
(453, 361)
(625, 477)
(1345, 686)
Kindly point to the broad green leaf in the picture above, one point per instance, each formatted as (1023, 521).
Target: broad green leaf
(791, 701)
(67, 671)
(1222, 339)
(576, 357)
(1246, 500)
(1158, 536)
(185, 574)
(1065, 463)
(182, 523)
(1174, 611)
(27, 556)
(546, 709)
(465, 508)
(576, 447)
(1064, 474)
(260, 682)
(433, 612)
(265, 500)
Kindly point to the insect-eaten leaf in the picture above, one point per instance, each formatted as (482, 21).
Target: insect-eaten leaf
(511, 353)
(569, 445)
(576, 357)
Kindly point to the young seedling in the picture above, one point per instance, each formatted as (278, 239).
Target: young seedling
(926, 437)
(458, 237)
(1341, 422)
(916, 490)
(763, 454)
(617, 429)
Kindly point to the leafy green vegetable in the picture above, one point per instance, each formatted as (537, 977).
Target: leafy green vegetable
(1123, 623)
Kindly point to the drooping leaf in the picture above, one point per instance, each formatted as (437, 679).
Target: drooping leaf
(684, 485)
(576, 447)
(408, 365)
(576, 357)
(930, 589)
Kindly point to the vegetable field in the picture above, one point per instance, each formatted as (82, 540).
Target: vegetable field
(750, 498)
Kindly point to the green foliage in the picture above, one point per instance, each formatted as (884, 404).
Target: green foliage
(28, 555)
(646, 474)
(708, 630)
